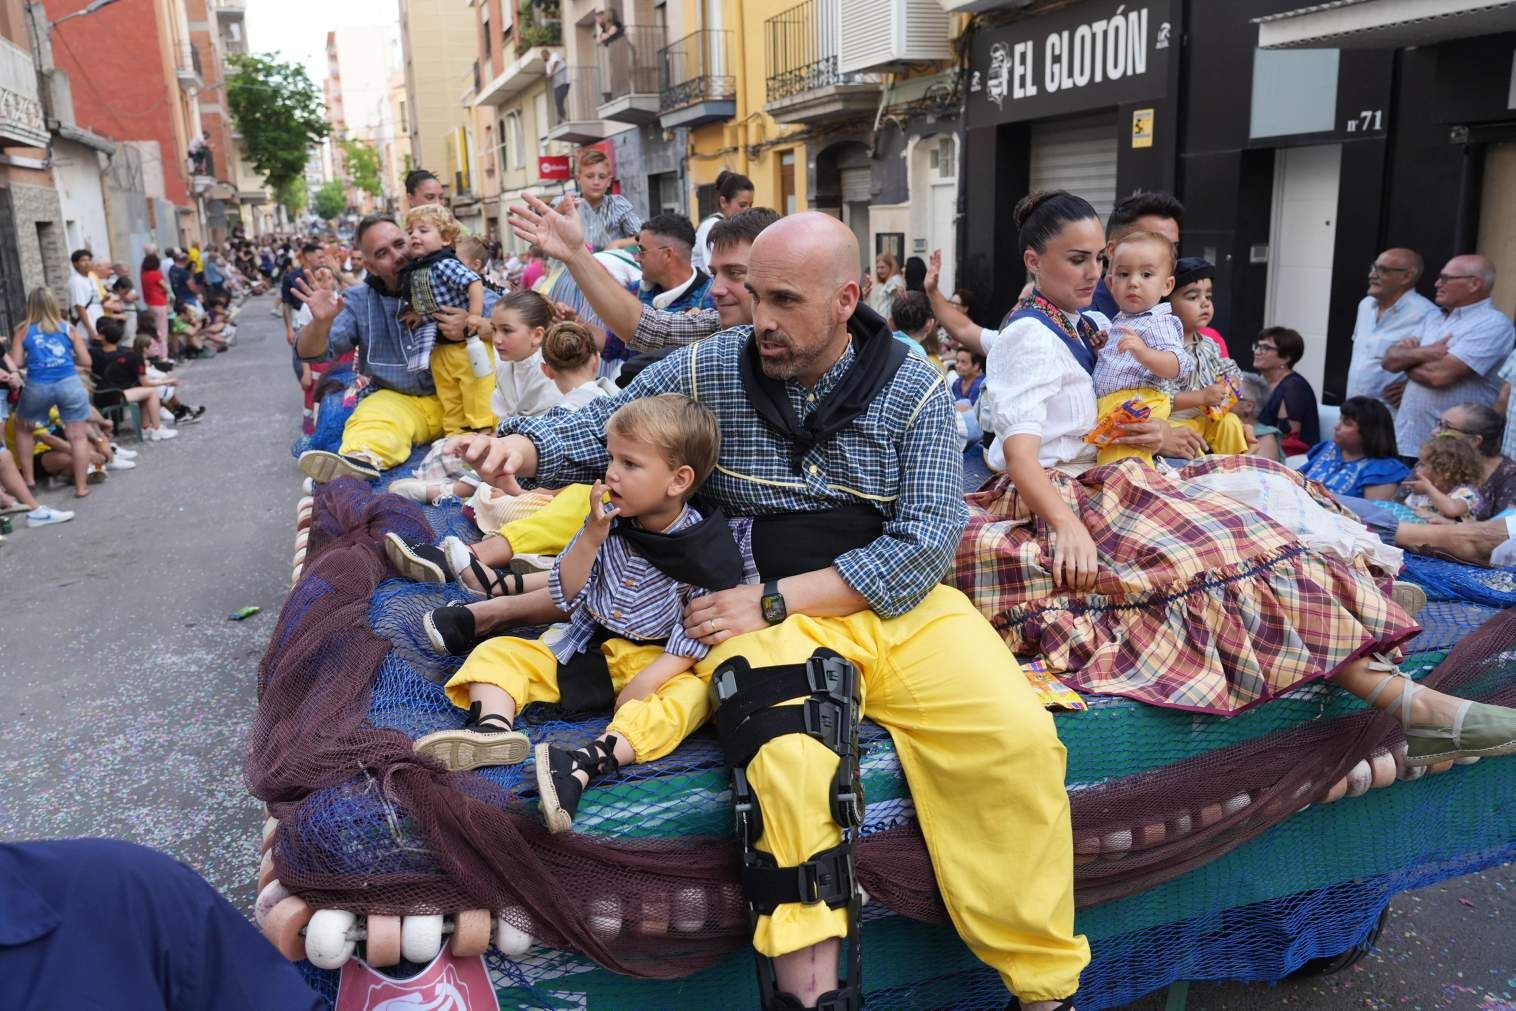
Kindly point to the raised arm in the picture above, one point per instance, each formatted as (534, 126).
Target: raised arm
(951, 318)
(560, 234)
(324, 300)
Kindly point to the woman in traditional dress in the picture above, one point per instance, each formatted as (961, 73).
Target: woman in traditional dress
(1162, 590)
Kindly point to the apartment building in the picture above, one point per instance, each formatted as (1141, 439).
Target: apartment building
(438, 42)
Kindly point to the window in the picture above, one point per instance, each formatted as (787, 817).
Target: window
(404, 123)
(1294, 91)
(512, 141)
(484, 28)
(787, 182)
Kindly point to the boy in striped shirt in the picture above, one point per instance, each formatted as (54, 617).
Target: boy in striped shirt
(643, 554)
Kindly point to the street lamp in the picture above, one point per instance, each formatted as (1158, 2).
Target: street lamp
(88, 8)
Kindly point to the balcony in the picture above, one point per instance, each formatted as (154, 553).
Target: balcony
(21, 122)
(578, 121)
(629, 76)
(698, 85)
(518, 77)
(804, 84)
(231, 10)
(188, 70)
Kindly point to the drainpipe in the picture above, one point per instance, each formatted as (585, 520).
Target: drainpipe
(742, 109)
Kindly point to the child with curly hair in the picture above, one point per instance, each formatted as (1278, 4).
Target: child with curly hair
(1445, 485)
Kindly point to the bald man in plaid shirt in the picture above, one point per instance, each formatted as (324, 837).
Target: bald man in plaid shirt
(821, 417)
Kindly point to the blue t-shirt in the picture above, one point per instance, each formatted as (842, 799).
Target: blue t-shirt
(179, 280)
(49, 356)
(1324, 463)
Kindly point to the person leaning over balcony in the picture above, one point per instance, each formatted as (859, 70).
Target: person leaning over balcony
(610, 221)
(554, 69)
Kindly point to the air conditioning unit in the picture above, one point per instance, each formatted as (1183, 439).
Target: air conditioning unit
(882, 34)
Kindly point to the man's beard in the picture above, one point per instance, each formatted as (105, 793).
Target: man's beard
(794, 363)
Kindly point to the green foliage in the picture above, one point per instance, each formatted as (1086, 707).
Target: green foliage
(278, 111)
(362, 162)
(293, 196)
(539, 25)
(330, 200)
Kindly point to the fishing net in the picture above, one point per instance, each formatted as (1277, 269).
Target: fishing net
(368, 825)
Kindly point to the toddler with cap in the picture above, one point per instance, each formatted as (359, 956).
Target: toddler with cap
(1145, 353)
(1203, 402)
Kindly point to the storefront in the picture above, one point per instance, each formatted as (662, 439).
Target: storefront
(1079, 98)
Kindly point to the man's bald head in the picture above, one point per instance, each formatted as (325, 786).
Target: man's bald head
(827, 247)
(1395, 272)
(803, 275)
(1465, 280)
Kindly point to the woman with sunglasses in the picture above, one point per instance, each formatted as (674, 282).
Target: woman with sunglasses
(1483, 428)
(1291, 406)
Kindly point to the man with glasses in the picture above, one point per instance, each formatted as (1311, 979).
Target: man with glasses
(1391, 312)
(1454, 357)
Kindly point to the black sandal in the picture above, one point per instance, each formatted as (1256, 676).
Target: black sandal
(450, 629)
(496, 582)
(559, 788)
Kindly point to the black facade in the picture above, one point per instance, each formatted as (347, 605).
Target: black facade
(1412, 125)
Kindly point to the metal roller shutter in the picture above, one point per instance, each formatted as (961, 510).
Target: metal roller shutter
(1078, 155)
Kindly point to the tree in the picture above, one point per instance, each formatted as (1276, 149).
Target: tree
(330, 200)
(362, 163)
(278, 112)
(293, 196)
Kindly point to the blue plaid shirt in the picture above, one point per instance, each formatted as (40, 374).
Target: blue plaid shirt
(368, 320)
(900, 456)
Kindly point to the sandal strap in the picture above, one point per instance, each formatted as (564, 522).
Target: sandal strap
(1401, 705)
(494, 581)
(1384, 664)
(598, 758)
(476, 720)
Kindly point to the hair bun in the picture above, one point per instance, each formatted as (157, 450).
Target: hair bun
(1029, 203)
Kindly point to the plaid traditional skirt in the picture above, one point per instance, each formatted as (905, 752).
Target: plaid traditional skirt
(1200, 603)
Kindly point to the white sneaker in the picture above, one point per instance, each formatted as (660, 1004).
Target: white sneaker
(122, 453)
(165, 415)
(46, 516)
(160, 434)
(121, 463)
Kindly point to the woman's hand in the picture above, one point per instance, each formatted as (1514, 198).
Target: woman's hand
(933, 273)
(1075, 563)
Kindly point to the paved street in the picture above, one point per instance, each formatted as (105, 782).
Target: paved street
(128, 692)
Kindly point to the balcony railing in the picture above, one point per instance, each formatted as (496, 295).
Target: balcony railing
(698, 68)
(581, 103)
(629, 64)
(801, 46)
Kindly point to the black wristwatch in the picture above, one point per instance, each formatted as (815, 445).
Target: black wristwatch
(772, 603)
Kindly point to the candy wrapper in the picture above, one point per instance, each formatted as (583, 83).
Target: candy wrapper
(1109, 428)
(1052, 693)
(1233, 394)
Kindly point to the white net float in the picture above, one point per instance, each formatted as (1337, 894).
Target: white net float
(1115, 845)
(509, 938)
(269, 896)
(1360, 777)
(1235, 803)
(689, 910)
(421, 937)
(605, 917)
(330, 938)
(1381, 769)
(1152, 834)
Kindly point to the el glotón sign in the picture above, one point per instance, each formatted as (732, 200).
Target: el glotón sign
(1086, 56)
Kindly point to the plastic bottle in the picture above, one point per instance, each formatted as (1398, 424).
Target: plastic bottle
(478, 357)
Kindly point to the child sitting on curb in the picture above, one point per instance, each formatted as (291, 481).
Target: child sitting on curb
(625, 580)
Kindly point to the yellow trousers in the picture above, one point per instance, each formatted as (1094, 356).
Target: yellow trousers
(465, 397)
(1223, 435)
(1158, 404)
(985, 768)
(548, 530)
(386, 425)
(527, 671)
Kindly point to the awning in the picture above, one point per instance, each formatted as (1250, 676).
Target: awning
(1384, 24)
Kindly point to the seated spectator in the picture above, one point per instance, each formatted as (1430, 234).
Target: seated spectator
(1360, 458)
(1445, 483)
(1263, 439)
(572, 361)
(916, 327)
(517, 325)
(968, 377)
(1505, 405)
(1291, 406)
(125, 371)
(1480, 427)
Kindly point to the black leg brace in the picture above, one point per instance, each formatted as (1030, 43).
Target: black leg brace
(748, 716)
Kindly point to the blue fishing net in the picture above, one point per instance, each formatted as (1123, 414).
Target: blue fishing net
(1451, 581)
